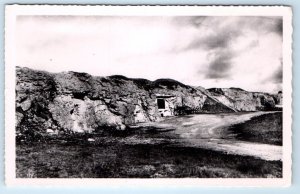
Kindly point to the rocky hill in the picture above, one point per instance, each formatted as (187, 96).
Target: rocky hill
(241, 100)
(79, 102)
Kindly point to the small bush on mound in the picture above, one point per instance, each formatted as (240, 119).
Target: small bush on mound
(30, 137)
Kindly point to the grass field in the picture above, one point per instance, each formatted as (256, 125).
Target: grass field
(143, 153)
(144, 161)
(262, 129)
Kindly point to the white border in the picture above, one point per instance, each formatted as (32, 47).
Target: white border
(12, 11)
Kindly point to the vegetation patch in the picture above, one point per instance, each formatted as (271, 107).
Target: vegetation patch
(265, 128)
(109, 157)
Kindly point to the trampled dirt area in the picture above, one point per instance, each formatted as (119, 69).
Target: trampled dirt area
(212, 131)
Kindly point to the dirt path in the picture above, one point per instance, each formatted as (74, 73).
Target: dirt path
(209, 131)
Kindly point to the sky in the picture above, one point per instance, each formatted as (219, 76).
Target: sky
(244, 52)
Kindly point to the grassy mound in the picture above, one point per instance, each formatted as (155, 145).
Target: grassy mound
(265, 128)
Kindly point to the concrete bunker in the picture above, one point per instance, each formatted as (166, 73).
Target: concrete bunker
(165, 105)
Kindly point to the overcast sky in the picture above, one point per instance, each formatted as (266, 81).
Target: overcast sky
(243, 52)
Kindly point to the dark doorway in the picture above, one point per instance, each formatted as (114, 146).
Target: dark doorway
(161, 104)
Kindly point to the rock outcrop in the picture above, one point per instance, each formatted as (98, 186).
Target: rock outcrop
(241, 100)
(79, 102)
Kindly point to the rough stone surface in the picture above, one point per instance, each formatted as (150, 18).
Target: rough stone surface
(242, 100)
(79, 102)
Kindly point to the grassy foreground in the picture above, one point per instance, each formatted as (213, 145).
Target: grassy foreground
(93, 160)
(147, 153)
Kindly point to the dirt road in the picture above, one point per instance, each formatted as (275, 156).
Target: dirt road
(210, 131)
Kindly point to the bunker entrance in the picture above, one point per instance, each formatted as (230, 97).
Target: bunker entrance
(161, 104)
